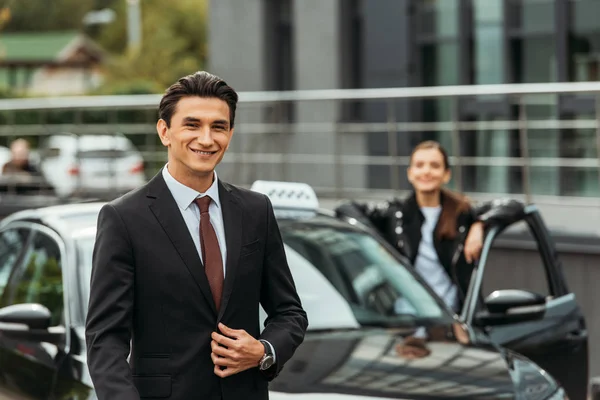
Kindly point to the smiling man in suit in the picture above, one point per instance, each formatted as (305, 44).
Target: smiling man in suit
(181, 265)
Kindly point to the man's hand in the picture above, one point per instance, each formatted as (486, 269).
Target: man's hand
(234, 349)
(474, 242)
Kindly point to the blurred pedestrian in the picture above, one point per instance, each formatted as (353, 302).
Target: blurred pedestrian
(435, 228)
(19, 162)
(181, 265)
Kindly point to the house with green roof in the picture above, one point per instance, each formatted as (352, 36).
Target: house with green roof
(50, 63)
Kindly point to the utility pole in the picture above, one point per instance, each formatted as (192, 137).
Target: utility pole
(134, 26)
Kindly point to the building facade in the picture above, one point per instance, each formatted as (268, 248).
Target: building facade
(314, 44)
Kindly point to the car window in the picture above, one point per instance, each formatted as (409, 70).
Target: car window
(529, 273)
(39, 277)
(85, 250)
(325, 306)
(377, 287)
(51, 152)
(12, 242)
(103, 154)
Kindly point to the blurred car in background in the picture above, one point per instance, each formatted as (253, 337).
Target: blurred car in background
(376, 330)
(91, 165)
(4, 156)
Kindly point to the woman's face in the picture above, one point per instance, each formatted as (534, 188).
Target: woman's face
(427, 171)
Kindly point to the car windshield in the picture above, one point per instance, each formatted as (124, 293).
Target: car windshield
(375, 285)
(103, 153)
(344, 276)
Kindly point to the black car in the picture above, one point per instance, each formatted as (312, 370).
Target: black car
(376, 330)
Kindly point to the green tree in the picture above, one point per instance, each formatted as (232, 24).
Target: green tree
(173, 43)
(173, 37)
(44, 15)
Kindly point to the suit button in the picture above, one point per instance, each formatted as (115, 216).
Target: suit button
(400, 243)
(398, 230)
(461, 229)
(398, 214)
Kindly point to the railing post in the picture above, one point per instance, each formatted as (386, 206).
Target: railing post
(337, 156)
(78, 120)
(150, 144)
(598, 136)
(393, 145)
(113, 120)
(43, 121)
(11, 118)
(244, 173)
(285, 121)
(524, 144)
(457, 174)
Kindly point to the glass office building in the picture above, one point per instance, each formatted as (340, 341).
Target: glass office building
(314, 44)
(464, 42)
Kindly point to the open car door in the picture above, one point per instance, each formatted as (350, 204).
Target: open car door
(522, 301)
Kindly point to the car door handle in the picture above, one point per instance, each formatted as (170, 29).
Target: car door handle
(577, 335)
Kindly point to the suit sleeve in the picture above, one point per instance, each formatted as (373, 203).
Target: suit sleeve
(110, 309)
(286, 321)
(478, 210)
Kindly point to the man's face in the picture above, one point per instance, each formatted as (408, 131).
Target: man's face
(198, 137)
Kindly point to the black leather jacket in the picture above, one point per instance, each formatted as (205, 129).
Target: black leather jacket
(399, 222)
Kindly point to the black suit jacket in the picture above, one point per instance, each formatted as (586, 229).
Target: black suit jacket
(148, 286)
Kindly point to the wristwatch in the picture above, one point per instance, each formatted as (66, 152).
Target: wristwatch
(266, 361)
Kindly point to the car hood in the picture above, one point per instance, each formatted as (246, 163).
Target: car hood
(382, 364)
(391, 364)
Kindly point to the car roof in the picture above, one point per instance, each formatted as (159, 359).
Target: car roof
(68, 219)
(79, 219)
(90, 142)
(291, 202)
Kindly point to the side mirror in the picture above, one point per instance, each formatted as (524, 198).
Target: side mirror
(34, 316)
(511, 306)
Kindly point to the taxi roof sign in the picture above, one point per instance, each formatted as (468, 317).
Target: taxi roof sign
(288, 195)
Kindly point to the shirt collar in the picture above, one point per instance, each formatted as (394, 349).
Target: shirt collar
(184, 195)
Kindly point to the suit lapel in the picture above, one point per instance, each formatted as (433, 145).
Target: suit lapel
(165, 209)
(232, 221)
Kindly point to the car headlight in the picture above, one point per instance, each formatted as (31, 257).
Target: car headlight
(559, 395)
(531, 382)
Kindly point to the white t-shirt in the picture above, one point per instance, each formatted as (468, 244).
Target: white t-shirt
(428, 264)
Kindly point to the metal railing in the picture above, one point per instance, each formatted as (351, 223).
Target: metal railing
(266, 142)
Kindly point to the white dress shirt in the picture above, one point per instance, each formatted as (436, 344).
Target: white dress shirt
(185, 198)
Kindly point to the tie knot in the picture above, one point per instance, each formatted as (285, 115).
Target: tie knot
(203, 203)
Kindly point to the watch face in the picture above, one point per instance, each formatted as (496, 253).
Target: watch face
(267, 363)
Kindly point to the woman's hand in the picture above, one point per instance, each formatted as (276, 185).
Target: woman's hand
(474, 242)
(413, 348)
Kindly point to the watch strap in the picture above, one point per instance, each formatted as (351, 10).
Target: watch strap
(267, 348)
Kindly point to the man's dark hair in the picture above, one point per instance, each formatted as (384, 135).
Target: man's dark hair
(201, 84)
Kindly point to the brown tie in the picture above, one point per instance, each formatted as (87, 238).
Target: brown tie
(211, 253)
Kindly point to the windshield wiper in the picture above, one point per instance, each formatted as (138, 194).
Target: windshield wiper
(414, 322)
(334, 329)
